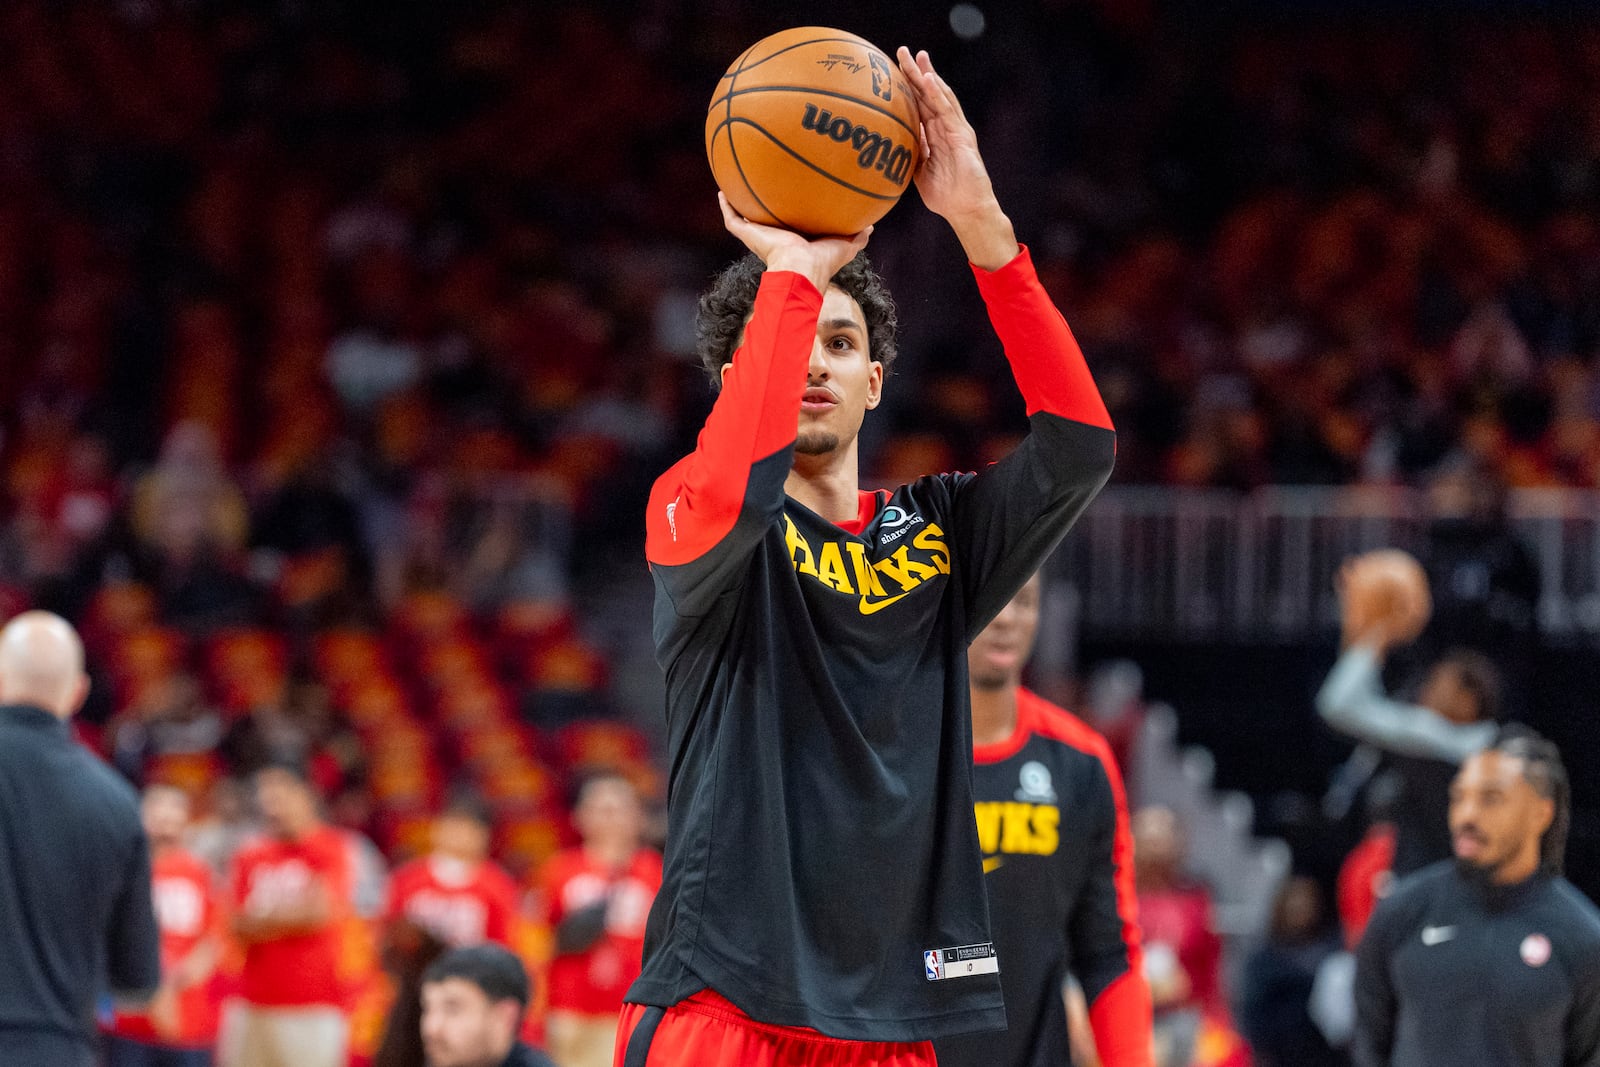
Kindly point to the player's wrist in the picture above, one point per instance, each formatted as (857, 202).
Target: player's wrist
(986, 235)
(799, 261)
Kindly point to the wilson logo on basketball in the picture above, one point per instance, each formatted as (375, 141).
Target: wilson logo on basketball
(874, 151)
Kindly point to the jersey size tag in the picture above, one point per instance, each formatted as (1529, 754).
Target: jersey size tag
(965, 961)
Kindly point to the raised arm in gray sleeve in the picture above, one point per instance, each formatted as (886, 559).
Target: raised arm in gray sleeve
(1352, 701)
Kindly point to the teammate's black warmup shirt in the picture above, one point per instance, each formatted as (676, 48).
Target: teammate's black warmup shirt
(1058, 857)
(1451, 974)
(822, 865)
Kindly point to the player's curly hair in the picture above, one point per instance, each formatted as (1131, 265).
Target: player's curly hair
(725, 307)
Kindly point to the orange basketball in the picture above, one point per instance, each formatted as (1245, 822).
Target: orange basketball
(814, 130)
(1387, 585)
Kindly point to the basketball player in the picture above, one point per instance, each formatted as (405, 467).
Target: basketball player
(1058, 863)
(823, 895)
(1494, 959)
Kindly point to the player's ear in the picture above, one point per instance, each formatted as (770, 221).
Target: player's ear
(722, 376)
(874, 385)
(1544, 813)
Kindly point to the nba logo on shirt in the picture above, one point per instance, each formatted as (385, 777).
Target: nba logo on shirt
(933, 965)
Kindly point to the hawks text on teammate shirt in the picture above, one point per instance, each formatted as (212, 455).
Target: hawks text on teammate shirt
(878, 582)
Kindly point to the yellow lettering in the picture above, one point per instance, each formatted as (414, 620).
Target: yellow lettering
(931, 539)
(866, 577)
(1016, 836)
(799, 550)
(830, 568)
(1046, 829)
(905, 570)
(988, 814)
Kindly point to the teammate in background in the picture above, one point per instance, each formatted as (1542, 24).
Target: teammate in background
(1494, 959)
(75, 911)
(456, 892)
(473, 1000)
(596, 898)
(823, 871)
(290, 893)
(179, 1029)
(1058, 856)
(1425, 742)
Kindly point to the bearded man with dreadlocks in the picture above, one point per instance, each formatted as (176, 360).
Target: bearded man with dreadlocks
(1492, 959)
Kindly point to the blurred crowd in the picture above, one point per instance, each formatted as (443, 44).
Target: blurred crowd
(339, 343)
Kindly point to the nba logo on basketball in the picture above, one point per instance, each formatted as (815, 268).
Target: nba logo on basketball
(933, 965)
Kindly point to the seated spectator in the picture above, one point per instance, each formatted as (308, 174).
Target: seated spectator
(473, 1000)
(1182, 952)
(1275, 988)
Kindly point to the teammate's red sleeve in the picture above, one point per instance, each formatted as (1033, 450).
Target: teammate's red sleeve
(1121, 1015)
(697, 503)
(1044, 356)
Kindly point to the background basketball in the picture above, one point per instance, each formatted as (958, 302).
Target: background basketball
(815, 130)
(1388, 585)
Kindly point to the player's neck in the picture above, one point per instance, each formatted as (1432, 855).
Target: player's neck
(994, 714)
(1517, 870)
(829, 485)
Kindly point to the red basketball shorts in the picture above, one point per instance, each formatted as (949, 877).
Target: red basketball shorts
(707, 1031)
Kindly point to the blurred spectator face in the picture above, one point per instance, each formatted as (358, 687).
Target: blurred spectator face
(287, 803)
(1299, 910)
(459, 836)
(1157, 846)
(165, 812)
(462, 1027)
(608, 814)
(1445, 692)
(1495, 814)
(996, 656)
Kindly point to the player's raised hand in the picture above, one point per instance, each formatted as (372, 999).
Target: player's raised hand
(953, 180)
(818, 258)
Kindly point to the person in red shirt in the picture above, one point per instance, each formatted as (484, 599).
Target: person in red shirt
(454, 897)
(456, 893)
(596, 898)
(1182, 952)
(179, 1027)
(290, 892)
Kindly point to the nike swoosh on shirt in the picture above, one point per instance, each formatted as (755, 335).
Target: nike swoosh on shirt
(992, 863)
(868, 607)
(1436, 935)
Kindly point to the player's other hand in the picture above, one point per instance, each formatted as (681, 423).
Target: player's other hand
(819, 258)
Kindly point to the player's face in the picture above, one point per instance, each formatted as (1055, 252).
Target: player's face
(843, 381)
(462, 1027)
(1444, 692)
(1496, 817)
(997, 655)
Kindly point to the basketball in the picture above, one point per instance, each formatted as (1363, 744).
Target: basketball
(1388, 585)
(814, 130)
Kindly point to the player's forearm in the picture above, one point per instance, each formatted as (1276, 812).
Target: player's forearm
(1045, 359)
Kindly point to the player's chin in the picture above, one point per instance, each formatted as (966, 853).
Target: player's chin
(816, 443)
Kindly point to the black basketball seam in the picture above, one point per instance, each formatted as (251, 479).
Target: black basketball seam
(831, 177)
(733, 150)
(731, 93)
